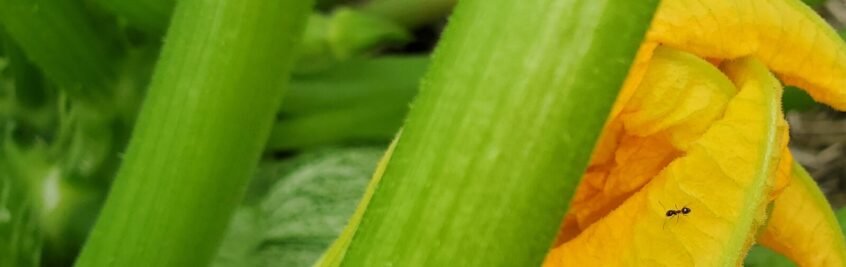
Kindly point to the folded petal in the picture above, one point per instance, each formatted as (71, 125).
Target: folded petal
(633, 79)
(723, 180)
(802, 225)
(789, 37)
(678, 98)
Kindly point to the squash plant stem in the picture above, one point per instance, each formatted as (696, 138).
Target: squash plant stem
(200, 132)
(500, 133)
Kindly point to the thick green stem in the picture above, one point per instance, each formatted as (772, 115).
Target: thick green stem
(200, 133)
(152, 16)
(20, 231)
(382, 80)
(60, 38)
(410, 13)
(363, 100)
(376, 123)
(500, 133)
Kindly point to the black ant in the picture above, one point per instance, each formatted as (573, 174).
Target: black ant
(683, 211)
(670, 213)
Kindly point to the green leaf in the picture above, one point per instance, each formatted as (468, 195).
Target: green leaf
(65, 43)
(841, 217)
(151, 16)
(814, 3)
(303, 212)
(796, 99)
(500, 133)
(20, 205)
(763, 257)
(20, 235)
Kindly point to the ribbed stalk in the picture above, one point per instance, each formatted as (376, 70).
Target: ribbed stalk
(200, 133)
(500, 133)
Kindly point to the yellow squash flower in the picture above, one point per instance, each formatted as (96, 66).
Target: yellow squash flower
(692, 167)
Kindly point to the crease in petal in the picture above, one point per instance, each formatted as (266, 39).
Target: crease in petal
(787, 35)
(679, 96)
(782, 178)
(635, 76)
(723, 179)
(802, 225)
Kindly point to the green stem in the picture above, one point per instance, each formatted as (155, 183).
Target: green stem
(410, 13)
(374, 123)
(383, 80)
(152, 16)
(500, 133)
(63, 41)
(200, 133)
(20, 230)
(363, 100)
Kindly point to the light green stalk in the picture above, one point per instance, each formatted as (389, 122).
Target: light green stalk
(410, 13)
(500, 133)
(200, 133)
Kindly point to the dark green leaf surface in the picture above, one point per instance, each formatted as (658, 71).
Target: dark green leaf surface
(61, 39)
(152, 16)
(841, 217)
(302, 213)
(763, 257)
(20, 236)
(814, 3)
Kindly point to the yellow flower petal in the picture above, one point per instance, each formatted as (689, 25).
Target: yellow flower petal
(782, 178)
(723, 179)
(633, 79)
(660, 120)
(789, 37)
(802, 225)
(679, 98)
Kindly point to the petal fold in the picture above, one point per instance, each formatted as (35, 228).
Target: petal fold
(723, 179)
(678, 98)
(787, 35)
(802, 225)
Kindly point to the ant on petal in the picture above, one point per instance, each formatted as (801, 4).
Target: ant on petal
(676, 212)
(683, 211)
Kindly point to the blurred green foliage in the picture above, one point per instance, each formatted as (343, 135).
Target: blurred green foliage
(796, 99)
(814, 3)
(297, 207)
(361, 100)
(763, 257)
(841, 217)
(70, 88)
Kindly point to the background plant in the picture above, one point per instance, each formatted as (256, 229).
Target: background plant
(71, 87)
